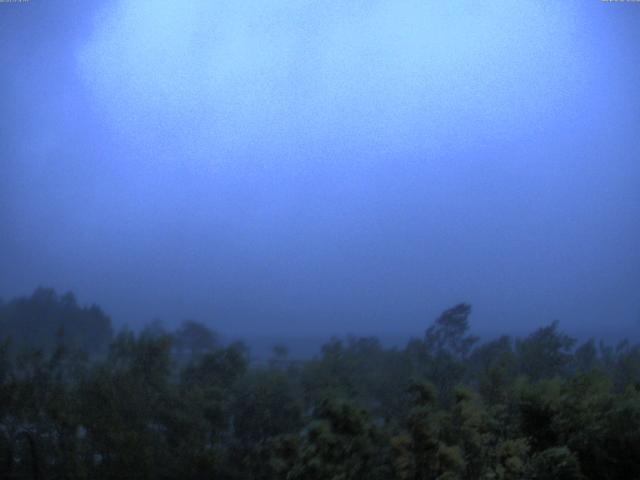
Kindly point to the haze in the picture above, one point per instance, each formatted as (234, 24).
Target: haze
(294, 167)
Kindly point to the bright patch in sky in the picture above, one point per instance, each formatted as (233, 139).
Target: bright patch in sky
(207, 78)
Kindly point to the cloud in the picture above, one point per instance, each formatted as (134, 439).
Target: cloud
(215, 78)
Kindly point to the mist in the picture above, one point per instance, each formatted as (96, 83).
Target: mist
(302, 168)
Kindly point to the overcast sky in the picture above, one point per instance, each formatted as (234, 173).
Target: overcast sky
(324, 166)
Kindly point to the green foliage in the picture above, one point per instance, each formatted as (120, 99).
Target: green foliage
(491, 367)
(449, 334)
(545, 353)
(448, 344)
(181, 405)
(557, 463)
(507, 460)
(340, 443)
(423, 451)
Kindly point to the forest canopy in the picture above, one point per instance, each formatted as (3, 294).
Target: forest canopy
(81, 401)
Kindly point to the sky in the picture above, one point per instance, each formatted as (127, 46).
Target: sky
(314, 167)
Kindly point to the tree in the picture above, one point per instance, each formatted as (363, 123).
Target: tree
(122, 400)
(492, 367)
(545, 353)
(193, 339)
(421, 452)
(557, 463)
(585, 357)
(448, 344)
(449, 334)
(44, 320)
(267, 405)
(341, 443)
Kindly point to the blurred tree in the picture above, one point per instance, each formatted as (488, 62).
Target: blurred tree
(122, 399)
(44, 320)
(545, 353)
(449, 334)
(556, 463)
(341, 443)
(492, 367)
(279, 357)
(194, 338)
(507, 460)
(585, 357)
(540, 410)
(447, 344)
(468, 429)
(421, 452)
(267, 406)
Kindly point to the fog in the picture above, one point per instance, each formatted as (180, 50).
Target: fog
(302, 168)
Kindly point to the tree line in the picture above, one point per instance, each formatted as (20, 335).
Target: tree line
(81, 401)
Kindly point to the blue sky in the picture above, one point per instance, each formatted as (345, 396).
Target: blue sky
(299, 167)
